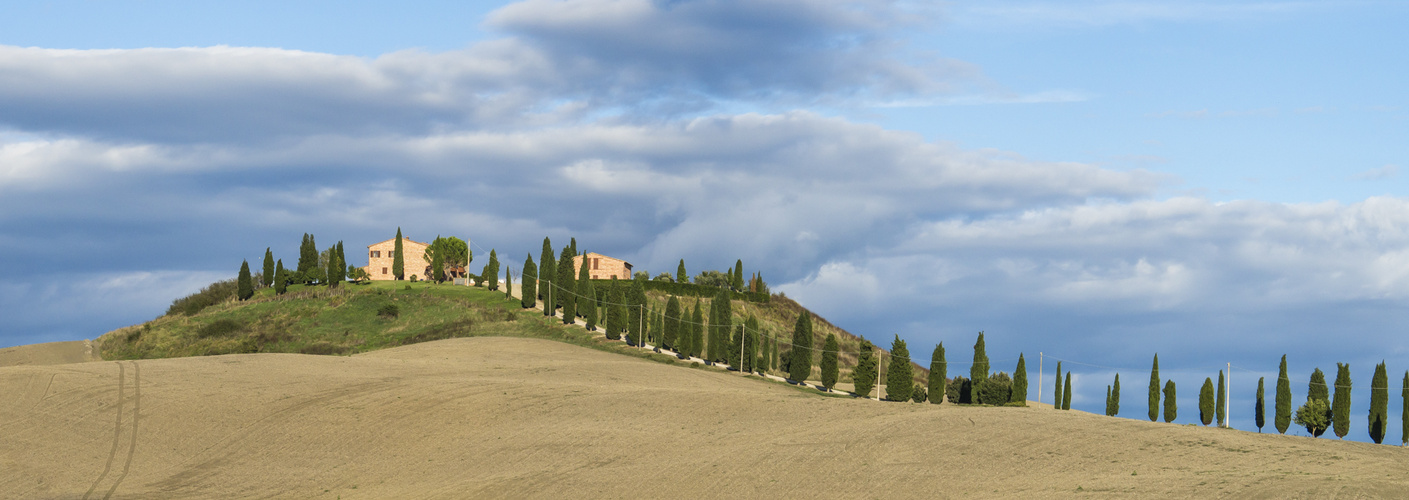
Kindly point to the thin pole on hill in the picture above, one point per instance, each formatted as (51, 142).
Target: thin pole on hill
(1039, 377)
(1228, 401)
(882, 376)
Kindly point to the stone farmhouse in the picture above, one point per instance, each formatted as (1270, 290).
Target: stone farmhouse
(380, 256)
(601, 267)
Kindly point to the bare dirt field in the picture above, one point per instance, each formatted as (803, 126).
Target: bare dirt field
(508, 417)
(51, 353)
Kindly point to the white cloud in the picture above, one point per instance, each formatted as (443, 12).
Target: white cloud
(1376, 174)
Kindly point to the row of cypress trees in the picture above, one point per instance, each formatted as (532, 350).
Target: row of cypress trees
(310, 270)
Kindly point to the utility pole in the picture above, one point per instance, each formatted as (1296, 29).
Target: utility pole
(1039, 378)
(880, 374)
(1228, 398)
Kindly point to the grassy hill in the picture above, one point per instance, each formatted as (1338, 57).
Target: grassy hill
(496, 417)
(346, 320)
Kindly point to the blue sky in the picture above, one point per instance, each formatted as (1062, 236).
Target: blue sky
(1219, 182)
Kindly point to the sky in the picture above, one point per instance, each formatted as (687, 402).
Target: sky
(1091, 181)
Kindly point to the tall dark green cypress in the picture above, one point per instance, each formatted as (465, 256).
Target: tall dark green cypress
(1108, 401)
(398, 258)
(1171, 408)
(307, 255)
(671, 338)
(509, 283)
(720, 324)
(1317, 389)
(1260, 410)
(1379, 403)
(1282, 418)
(864, 376)
(737, 280)
(680, 275)
(978, 371)
(1057, 393)
(1340, 408)
(1206, 402)
(616, 311)
(1019, 394)
(245, 284)
(267, 278)
(800, 365)
(547, 272)
(589, 290)
(1115, 397)
(939, 373)
(829, 361)
(1221, 406)
(697, 338)
(586, 301)
(566, 283)
(900, 383)
(1154, 390)
(572, 244)
(337, 270)
(528, 290)
(1066, 393)
(635, 312)
(281, 278)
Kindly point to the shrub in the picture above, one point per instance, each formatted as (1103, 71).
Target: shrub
(324, 348)
(1314, 415)
(212, 294)
(413, 278)
(919, 394)
(996, 390)
(957, 390)
(220, 328)
(390, 310)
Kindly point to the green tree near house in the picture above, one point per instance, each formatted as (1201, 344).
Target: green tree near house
(1282, 419)
(566, 283)
(900, 383)
(829, 361)
(267, 278)
(307, 256)
(800, 365)
(864, 375)
(1379, 403)
(978, 371)
(680, 275)
(490, 274)
(281, 278)
(572, 244)
(529, 287)
(1066, 393)
(1019, 394)
(398, 257)
(509, 284)
(1154, 390)
(750, 340)
(437, 261)
(586, 294)
(1057, 393)
(1220, 407)
(1206, 402)
(697, 338)
(738, 281)
(616, 311)
(635, 312)
(1317, 390)
(939, 373)
(547, 271)
(244, 284)
(1340, 406)
(670, 338)
(1171, 407)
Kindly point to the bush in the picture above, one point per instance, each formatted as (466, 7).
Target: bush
(919, 395)
(958, 390)
(212, 294)
(220, 328)
(389, 311)
(1314, 415)
(996, 390)
(413, 278)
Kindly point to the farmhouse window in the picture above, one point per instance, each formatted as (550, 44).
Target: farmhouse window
(383, 270)
(596, 263)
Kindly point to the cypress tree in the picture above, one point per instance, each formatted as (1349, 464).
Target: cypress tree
(1019, 382)
(738, 278)
(939, 373)
(1220, 408)
(1171, 409)
(342, 264)
(1379, 403)
(398, 260)
(281, 278)
(245, 284)
(864, 375)
(585, 300)
(566, 282)
(572, 244)
(437, 264)
(509, 283)
(1066, 393)
(900, 383)
(1057, 393)
(1206, 402)
(1340, 408)
(528, 290)
(307, 255)
(1108, 401)
(697, 339)
(589, 290)
(829, 361)
(756, 349)
(1154, 390)
(750, 340)
(978, 372)
(635, 312)
(616, 311)
(491, 274)
(800, 366)
(547, 272)
(672, 325)
(1260, 410)
(1115, 396)
(267, 278)
(1316, 389)
(336, 271)
(680, 275)
(1404, 415)
(1283, 416)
